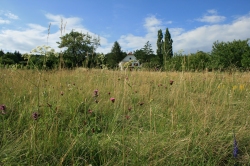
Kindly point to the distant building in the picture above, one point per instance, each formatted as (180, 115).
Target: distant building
(129, 61)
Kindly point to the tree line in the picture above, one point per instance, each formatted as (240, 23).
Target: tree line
(79, 50)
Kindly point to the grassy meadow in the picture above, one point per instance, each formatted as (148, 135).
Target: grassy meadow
(101, 117)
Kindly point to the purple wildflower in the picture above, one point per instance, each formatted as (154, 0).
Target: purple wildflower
(3, 108)
(90, 111)
(96, 92)
(112, 99)
(235, 148)
(35, 115)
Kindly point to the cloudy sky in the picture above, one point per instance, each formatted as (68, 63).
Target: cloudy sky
(194, 25)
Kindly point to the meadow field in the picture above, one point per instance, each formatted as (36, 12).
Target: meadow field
(103, 117)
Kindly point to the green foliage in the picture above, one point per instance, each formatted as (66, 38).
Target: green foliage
(245, 61)
(140, 55)
(159, 43)
(148, 61)
(146, 56)
(1, 53)
(115, 56)
(167, 45)
(147, 49)
(199, 61)
(164, 48)
(42, 57)
(10, 58)
(78, 46)
(233, 54)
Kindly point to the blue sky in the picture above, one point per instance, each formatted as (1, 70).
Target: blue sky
(193, 24)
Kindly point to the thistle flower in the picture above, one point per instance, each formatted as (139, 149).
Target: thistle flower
(112, 99)
(127, 117)
(90, 111)
(141, 103)
(96, 93)
(35, 115)
(235, 148)
(3, 108)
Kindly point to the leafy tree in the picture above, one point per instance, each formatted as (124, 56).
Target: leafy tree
(145, 54)
(78, 46)
(198, 61)
(230, 54)
(9, 58)
(159, 46)
(148, 49)
(140, 55)
(245, 61)
(19, 56)
(1, 53)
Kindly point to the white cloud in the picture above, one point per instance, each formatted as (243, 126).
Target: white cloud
(11, 15)
(6, 16)
(131, 42)
(202, 38)
(212, 11)
(212, 18)
(3, 21)
(169, 22)
(34, 35)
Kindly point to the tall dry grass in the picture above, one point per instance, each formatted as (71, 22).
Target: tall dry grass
(151, 122)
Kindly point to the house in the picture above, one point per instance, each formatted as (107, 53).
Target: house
(129, 61)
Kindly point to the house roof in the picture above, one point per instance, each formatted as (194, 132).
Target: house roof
(128, 58)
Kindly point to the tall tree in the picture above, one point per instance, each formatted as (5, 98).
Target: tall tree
(117, 52)
(115, 56)
(148, 49)
(167, 45)
(145, 53)
(78, 46)
(159, 46)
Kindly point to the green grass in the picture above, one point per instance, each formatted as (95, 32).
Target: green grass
(150, 123)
